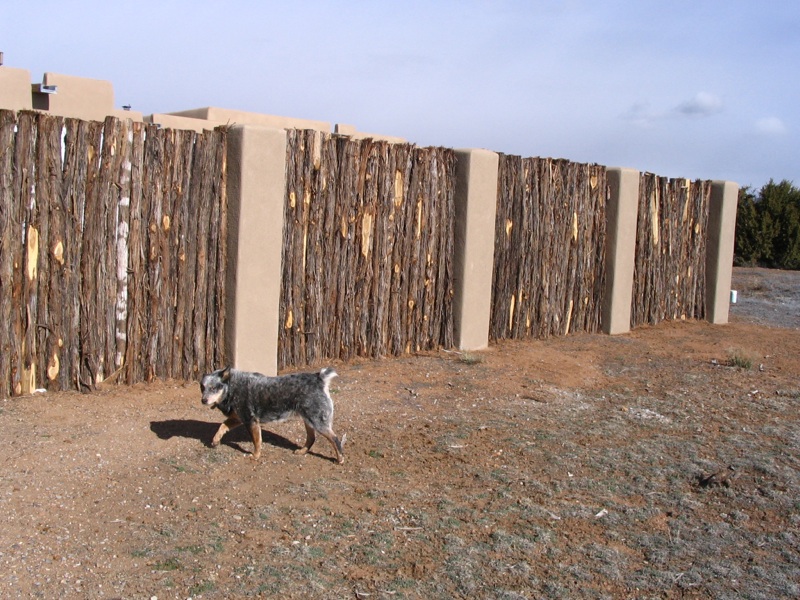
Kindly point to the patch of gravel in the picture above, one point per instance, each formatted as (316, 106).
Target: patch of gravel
(767, 297)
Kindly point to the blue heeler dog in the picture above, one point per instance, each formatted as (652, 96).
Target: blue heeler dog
(252, 399)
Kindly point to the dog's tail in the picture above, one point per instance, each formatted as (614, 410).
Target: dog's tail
(327, 374)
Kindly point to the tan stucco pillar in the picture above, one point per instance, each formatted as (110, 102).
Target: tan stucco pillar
(475, 206)
(621, 214)
(256, 188)
(15, 89)
(719, 249)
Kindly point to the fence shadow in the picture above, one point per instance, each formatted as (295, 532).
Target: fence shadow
(204, 431)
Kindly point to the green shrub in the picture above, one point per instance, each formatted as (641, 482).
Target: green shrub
(768, 226)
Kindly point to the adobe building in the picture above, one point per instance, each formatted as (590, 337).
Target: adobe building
(62, 95)
(93, 100)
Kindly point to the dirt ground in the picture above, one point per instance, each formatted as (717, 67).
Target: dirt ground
(664, 463)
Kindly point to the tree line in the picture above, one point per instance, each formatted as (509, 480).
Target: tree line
(768, 226)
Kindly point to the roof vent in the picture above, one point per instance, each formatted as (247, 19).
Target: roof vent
(45, 89)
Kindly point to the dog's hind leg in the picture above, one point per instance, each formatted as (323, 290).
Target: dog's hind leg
(335, 442)
(230, 423)
(255, 433)
(311, 436)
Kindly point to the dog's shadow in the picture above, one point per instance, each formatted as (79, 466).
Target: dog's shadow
(204, 432)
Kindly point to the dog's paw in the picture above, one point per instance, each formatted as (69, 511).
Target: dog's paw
(253, 456)
(214, 443)
(301, 451)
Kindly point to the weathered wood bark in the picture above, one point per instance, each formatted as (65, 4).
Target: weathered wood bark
(10, 251)
(115, 140)
(201, 243)
(137, 243)
(76, 139)
(549, 248)
(182, 299)
(122, 236)
(94, 220)
(367, 249)
(25, 277)
(669, 268)
(152, 212)
(211, 258)
(163, 244)
(52, 233)
(92, 265)
(215, 311)
(189, 264)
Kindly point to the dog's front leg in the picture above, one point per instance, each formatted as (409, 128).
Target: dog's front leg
(255, 433)
(230, 423)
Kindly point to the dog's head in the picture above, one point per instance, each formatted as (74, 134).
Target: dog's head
(214, 386)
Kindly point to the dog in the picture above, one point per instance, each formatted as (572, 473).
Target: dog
(251, 399)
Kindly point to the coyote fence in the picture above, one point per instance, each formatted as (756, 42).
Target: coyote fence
(367, 249)
(549, 259)
(669, 280)
(112, 251)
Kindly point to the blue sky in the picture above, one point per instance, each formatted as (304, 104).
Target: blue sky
(697, 89)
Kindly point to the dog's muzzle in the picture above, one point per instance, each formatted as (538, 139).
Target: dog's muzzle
(212, 399)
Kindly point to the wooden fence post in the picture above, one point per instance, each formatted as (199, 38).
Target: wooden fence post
(621, 214)
(256, 190)
(475, 208)
(719, 249)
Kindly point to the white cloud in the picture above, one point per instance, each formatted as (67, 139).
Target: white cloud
(770, 126)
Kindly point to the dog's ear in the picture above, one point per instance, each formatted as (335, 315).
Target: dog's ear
(225, 375)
